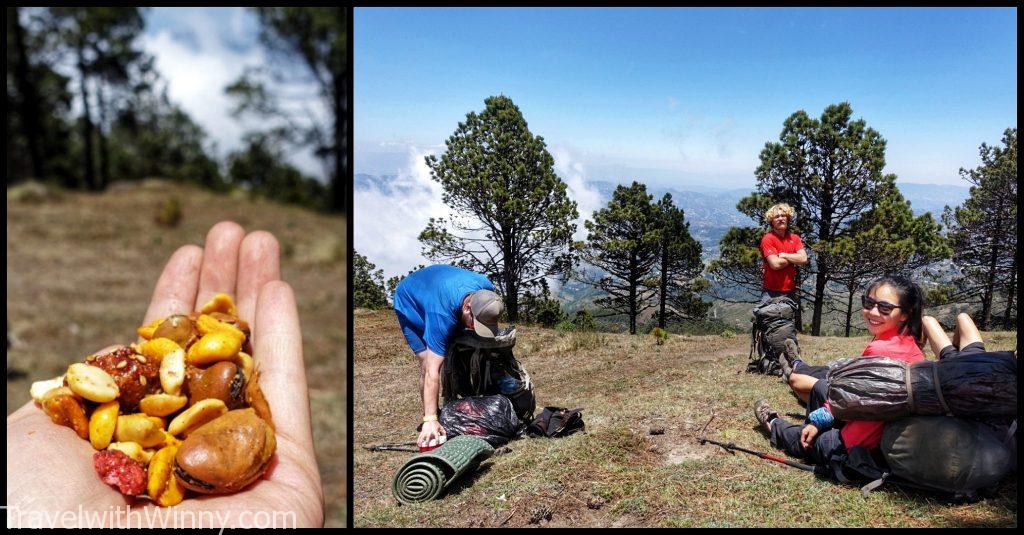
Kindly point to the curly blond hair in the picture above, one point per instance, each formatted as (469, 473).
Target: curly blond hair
(786, 209)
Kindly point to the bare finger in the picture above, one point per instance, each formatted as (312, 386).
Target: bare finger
(175, 291)
(258, 263)
(220, 261)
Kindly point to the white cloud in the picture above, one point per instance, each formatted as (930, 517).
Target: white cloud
(389, 218)
(199, 66)
(587, 198)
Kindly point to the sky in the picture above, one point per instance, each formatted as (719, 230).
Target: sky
(201, 50)
(679, 97)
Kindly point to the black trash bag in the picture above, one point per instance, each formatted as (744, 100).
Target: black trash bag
(976, 385)
(492, 418)
(772, 323)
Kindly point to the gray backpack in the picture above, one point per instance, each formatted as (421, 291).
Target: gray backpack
(773, 322)
(949, 455)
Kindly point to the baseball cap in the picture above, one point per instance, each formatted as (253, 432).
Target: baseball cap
(486, 306)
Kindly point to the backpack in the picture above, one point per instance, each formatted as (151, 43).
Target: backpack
(952, 457)
(554, 422)
(773, 322)
(477, 366)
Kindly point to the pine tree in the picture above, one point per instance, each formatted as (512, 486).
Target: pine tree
(623, 241)
(983, 231)
(515, 219)
(679, 266)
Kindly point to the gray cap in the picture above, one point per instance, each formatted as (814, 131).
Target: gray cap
(485, 306)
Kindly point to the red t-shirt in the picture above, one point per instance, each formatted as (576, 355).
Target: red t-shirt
(868, 433)
(782, 280)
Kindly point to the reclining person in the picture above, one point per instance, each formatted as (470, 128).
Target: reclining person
(892, 310)
(966, 337)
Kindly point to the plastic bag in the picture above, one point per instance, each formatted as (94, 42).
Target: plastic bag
(492, 418)
(978, 385)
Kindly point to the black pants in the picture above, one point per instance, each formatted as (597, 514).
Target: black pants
(786, 435)
(951, 352)
(818, 372)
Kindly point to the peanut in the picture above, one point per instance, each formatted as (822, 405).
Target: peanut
(158, 348)
(162, 404)
(65, 408)
(40, 388)
(196, 415)
(220, 303)
(146, 331)
(163, 486)
(172, 372)
(133, 450)
(206, 324)
(91, 382)
(214, 347)
(139, 428)
(102, 424)
(244, 361)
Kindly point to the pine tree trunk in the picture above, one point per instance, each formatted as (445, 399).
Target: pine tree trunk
(90, 173)
(1010, 295)
(849, 310)
(29, 99)
(664, 284)
(632, 293)
(104, 152)
(990, 282)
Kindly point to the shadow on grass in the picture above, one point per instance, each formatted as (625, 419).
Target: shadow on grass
(467, 481)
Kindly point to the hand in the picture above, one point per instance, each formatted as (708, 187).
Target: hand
(430, 430)
(807, 435)
(49, 468)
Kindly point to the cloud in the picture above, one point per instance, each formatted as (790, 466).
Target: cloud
(389, 216)
(199, 52)
(588, 199)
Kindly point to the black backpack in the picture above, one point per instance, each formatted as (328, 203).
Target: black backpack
(476, 366)
(554, 422)
(772, 323)
(954, 458)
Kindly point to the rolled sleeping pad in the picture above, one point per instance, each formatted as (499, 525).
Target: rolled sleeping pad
(976, 385)
(426, 475)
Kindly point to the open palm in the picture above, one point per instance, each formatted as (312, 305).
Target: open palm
(49, 468)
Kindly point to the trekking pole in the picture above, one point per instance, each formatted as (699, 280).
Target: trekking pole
(730, 447)
(396, 446)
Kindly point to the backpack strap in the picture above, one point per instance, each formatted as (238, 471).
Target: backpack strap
(910, 389)
(866, 489)
(938, 390)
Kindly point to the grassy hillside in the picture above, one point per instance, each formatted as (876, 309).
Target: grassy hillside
(81, 269)
(620, 473)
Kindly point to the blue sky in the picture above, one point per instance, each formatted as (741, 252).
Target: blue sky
(686, 95)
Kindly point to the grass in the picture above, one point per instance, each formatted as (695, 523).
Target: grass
(618, 474)
(81, 269)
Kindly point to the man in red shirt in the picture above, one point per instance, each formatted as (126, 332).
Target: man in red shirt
(782, 251)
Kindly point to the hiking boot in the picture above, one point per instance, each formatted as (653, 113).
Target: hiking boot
(764, 414)
(789, 356)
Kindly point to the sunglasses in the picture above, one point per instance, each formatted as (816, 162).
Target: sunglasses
(884, 307)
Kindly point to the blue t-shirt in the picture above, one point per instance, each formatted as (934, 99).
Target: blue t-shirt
(429, 304)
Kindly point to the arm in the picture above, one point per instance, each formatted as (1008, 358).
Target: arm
(776, 262)
(798, 258)
(430, 381)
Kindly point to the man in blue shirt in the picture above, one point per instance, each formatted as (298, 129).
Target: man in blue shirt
(433, 305)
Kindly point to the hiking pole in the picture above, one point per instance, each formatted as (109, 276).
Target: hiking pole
(730, 447)
(396, 446)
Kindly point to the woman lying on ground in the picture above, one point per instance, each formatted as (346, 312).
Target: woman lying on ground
(966, 337)
(892, 310)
